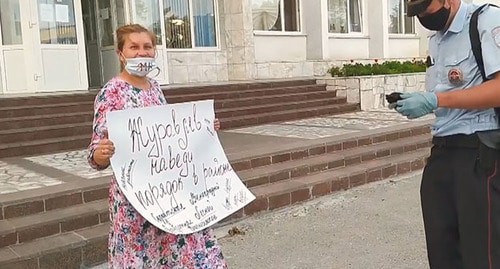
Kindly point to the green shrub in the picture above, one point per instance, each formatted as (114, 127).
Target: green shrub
(389, 67)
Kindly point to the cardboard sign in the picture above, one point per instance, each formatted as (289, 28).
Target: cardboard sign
(172, 168)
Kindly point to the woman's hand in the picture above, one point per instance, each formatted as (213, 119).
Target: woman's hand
(216, 124)
(103, 152)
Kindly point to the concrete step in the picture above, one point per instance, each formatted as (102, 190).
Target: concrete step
(46, 99)
(230, 118)
(243, 93)
(89, 246)
(33, 134)
(332, 160)
(287, 192)
(18, 102)
(305, 149)
(28, 228)
(282, 106)
(38, 147)
(54, 219)
(45, 109)
(31, 202)
(89, 96)
(71, 250)
(274, 99)
(34, 201)
(43, 120)
(57, 114)
(236, 86)
(262, 118)
(38, 121)
(13, 141)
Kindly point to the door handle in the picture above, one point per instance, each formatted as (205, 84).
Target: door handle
(31, 24)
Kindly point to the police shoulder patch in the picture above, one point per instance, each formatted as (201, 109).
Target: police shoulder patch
(496, 35)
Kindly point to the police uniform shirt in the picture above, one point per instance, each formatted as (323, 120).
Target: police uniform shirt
(455, 68)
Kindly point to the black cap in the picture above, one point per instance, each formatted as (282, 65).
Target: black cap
(415, 7)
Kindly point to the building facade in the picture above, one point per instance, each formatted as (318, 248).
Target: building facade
(68, 45)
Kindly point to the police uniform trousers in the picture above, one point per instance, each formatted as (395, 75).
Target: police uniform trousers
(460, 195)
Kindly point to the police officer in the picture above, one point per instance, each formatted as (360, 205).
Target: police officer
(460, 190)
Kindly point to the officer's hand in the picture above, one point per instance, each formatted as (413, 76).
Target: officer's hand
(392, 105)
(417, 104)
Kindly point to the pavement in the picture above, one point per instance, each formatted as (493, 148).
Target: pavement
(375, 226)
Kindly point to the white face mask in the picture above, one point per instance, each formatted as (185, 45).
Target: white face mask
(140, 66)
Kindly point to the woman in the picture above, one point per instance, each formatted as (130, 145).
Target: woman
(134, 242)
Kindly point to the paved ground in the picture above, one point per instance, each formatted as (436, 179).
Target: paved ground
(375, 226)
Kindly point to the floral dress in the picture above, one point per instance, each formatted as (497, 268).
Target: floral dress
(133, 242)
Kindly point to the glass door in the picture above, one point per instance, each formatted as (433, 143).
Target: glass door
(59, 42)
(15, 51)
(107, 23)
(92, 48)
(101, 19)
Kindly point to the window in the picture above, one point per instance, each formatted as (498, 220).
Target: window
(147, 13)
(57, 21)
(89, 23)
(399, 23)
(10, 19)
(106, 26)
(267, 15)
(120, 13)
(344, 16)
(190, 23)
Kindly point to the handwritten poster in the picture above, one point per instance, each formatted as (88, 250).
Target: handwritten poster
(172, 168)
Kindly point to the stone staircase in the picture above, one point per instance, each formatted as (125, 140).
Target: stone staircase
(44, 124)
(67, 227)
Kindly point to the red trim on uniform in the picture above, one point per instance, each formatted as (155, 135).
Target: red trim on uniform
(490, 262)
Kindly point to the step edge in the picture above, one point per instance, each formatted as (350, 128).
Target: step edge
(77, 241)
(45, 141)
(313, 160)
(45, 116)
(270, 85)
(278, 95)
(49, 217)
(337, 173)
(239, 87)
(49, 105)
(330, 141)
(51, 192)
(337, 98)
(266, 114)
(234, 94)
(45, 128)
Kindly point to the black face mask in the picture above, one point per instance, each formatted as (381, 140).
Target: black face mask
(437, 20)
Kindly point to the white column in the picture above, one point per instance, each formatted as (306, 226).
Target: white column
(239, 39)
(315, 16)
(378, 28)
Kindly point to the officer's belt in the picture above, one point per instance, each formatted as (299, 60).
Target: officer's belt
(457, 141)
